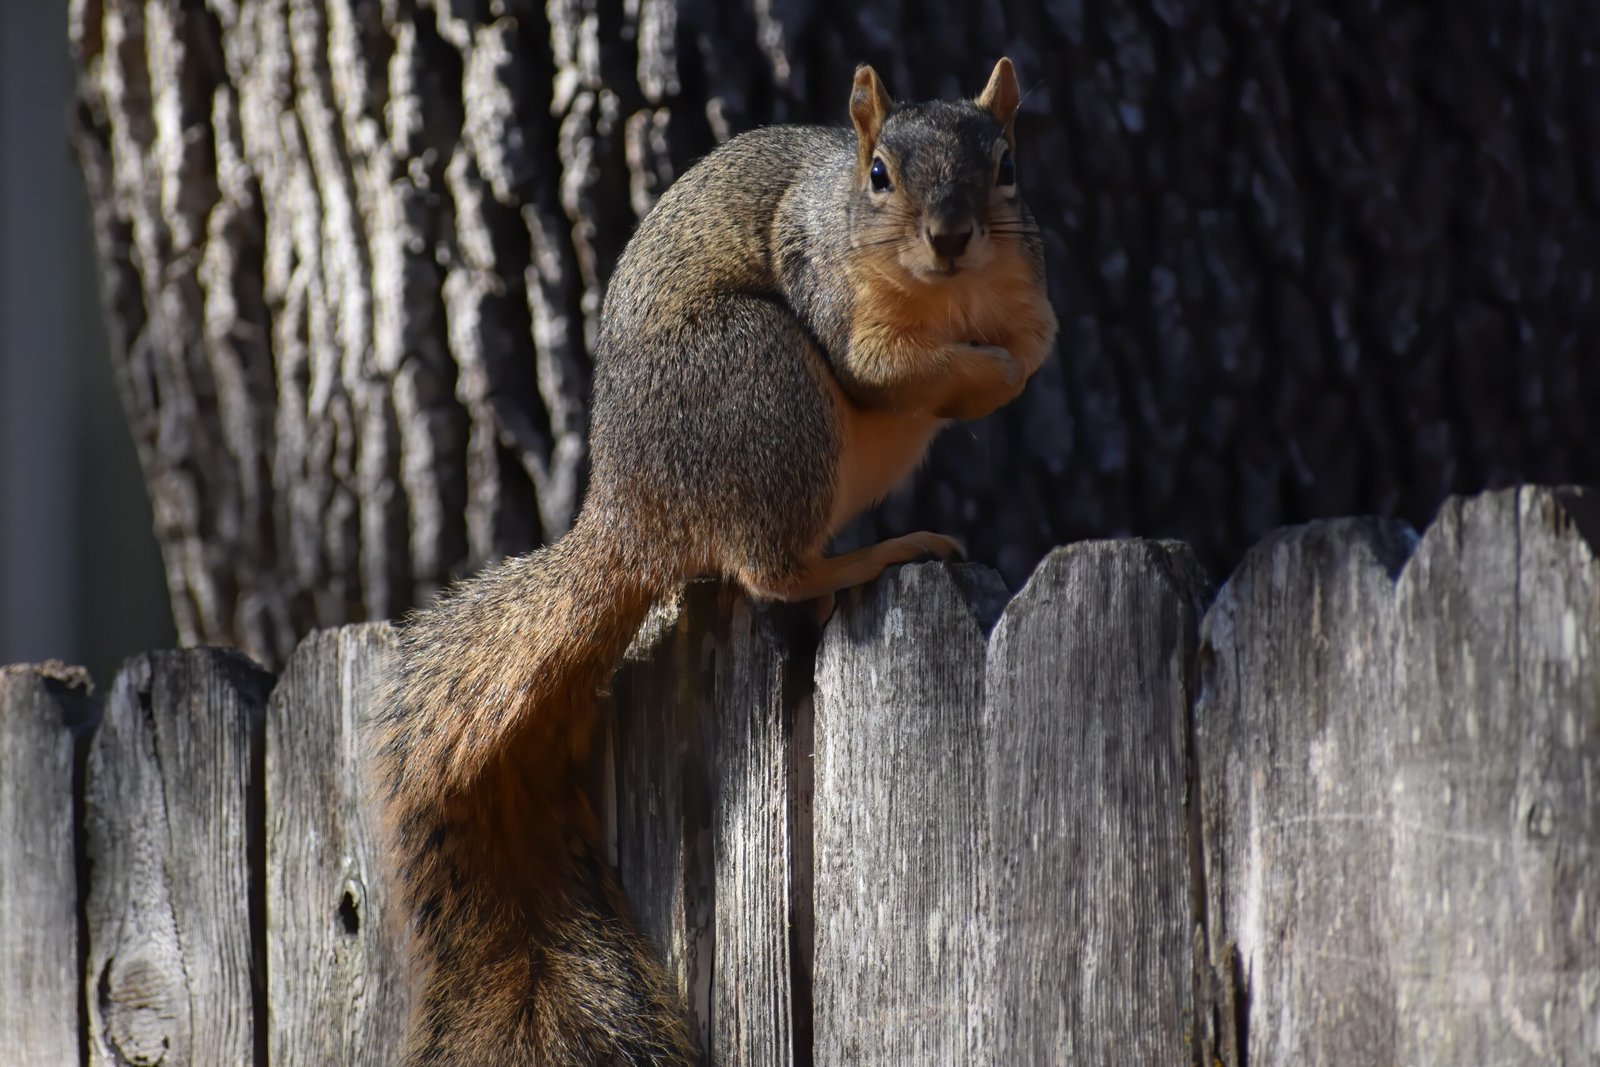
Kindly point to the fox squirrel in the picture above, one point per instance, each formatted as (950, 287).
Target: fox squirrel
(784, 334)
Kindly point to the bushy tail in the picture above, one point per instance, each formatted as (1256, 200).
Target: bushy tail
(519, 928)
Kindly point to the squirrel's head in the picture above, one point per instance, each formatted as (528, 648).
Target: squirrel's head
(936, 183)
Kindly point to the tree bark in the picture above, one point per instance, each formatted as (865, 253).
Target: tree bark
(1310, 259)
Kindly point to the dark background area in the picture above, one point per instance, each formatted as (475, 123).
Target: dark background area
(80, 574)
(1310, 259)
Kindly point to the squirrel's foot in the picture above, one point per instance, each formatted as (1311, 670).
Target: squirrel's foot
(933, 546)
(827, 575)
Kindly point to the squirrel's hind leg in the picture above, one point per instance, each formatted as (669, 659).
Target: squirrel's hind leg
(826, 575)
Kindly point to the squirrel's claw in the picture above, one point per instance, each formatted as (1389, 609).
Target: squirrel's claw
(936, 546)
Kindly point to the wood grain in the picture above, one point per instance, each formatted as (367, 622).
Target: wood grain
(337, 982)
(664, 751)
(1397, 762)
(950, 833)
(900, 824)
(41, 708)
(760, 992)
(1089, 683)
(1291, 736)
(1494, 950)
(174, 832)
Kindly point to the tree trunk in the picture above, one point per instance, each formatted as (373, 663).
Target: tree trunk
(1309, 259)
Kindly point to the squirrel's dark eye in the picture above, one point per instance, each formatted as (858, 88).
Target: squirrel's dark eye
(880, 177)
(1007, 173)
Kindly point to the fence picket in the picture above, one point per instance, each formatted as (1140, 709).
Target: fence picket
(174, 827)
(39, 979)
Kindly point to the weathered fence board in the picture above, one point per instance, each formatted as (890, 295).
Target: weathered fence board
(663, 752)
(1290, 735)
(1496, 783)
(704, 709)
(1089, 685)
(1399, 762)
(40, 708)
(174, 821)
(337, 991)
(1350, 817)
(901, 830)
(760, 991)
(1553, 866)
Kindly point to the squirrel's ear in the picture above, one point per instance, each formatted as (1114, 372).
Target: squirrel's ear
(869, 105)
(1002, 96)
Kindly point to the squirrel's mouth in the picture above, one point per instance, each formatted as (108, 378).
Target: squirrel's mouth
(928, 266)
(939, 268)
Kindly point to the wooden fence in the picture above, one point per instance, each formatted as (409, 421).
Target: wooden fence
(1347, 814)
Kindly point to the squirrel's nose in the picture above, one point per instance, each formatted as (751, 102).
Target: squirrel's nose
(952, 244)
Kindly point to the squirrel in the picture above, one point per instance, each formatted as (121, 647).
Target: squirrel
(785, 332)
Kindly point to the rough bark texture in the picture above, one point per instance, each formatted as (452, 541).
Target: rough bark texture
(1310, 259)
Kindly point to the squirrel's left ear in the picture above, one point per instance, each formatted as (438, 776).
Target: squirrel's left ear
(1002, 97)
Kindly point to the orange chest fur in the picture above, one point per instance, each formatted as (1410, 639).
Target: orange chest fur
(877, 451)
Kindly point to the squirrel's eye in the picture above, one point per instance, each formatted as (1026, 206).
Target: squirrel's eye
(880, 177)
(1007, 172)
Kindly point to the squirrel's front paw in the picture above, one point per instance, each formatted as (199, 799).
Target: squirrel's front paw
(994, 378)
(1012, 374)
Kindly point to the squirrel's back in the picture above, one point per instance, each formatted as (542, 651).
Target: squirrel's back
(715, 228)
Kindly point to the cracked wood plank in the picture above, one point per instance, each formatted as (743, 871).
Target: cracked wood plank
(174, 837)
(337, 982)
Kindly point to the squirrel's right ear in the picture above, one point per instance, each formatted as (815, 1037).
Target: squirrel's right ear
(869, 106)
